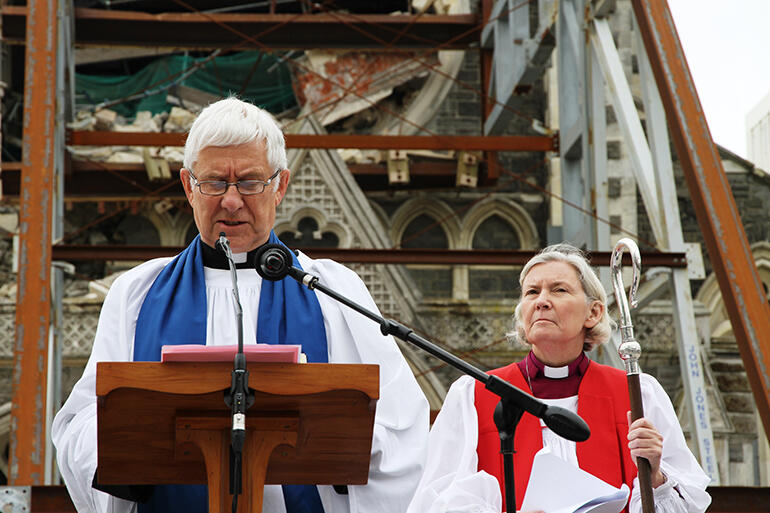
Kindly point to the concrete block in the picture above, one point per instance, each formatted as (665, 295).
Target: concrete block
(105, 118)
(9, 222)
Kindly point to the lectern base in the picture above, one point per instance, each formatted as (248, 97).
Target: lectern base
(212, 436)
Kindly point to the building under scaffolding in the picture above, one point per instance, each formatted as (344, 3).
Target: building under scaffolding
(435, 146)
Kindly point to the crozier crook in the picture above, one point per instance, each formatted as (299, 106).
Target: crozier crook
(630, 351)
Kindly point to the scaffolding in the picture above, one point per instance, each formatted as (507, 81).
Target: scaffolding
(513, 56)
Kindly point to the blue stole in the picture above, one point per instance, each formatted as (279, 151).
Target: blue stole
(174, 312)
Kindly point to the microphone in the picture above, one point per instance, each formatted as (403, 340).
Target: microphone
(566, 424)
(224, 244)
(273, 262)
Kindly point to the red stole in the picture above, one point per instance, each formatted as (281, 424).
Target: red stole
(602, 403)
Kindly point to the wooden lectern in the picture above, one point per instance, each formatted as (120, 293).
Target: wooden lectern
(167, 423)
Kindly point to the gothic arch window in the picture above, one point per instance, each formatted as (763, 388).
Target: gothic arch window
(135, 229)
(443, 220)
(427, 223)
(307, 235)
(131, 229)
(496, 282)
(495, 233)
(173, 220)
(310, 228)
(508, 214)
(425, 231)
(497, 224)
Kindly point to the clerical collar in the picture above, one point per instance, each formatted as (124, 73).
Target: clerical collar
(553, 382)
(215, 258)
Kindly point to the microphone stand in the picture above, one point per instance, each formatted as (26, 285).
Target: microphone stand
(506, 416)
(273, 262)
(239, 397)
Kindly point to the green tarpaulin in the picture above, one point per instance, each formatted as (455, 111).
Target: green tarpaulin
(268, 85)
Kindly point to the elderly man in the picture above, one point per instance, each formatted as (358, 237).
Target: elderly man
(235, 176)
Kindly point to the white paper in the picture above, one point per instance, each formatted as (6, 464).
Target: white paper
(556, 486)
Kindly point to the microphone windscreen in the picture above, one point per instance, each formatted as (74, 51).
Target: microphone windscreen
(566, 424)
(272, 261)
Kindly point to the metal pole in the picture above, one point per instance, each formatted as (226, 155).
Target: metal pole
(33, 302)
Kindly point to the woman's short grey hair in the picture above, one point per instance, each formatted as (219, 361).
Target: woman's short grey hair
(231, 122)
(592, 287)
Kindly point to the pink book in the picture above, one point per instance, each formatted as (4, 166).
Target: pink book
(254, 353)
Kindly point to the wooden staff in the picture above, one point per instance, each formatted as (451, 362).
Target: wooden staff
(630, 351)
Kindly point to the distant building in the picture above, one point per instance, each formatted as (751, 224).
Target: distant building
(758, 133)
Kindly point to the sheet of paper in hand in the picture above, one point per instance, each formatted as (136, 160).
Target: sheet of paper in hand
(556, 486)
(254, 353)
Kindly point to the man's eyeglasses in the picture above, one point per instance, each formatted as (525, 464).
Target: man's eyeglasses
(245, 187)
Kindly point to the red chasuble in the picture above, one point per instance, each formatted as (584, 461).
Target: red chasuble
(602, 403)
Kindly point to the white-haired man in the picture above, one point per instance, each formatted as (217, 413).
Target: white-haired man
(235, 176)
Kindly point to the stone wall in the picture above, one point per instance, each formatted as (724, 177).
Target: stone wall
(750, 187)
(460, 111)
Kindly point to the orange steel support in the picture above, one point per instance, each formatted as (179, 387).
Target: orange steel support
(425, 142)
(75, 252)
(33, 302)
(712, 197)
(375, 142)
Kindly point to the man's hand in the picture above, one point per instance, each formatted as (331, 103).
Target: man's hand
(644, 441)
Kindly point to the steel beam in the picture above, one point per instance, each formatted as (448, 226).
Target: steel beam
(486, 59)
(335, 30)
(597, 156)
(105, 138)
(368, 256)
(576, 226)
(103, 181)
(109, 182)
(671, 238)
(33, 302)
(715, 208)
(519, 59)
(628, 119)
(312, 141)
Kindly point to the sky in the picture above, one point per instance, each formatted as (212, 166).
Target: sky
(727, 45)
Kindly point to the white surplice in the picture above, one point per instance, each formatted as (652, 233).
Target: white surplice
(401, 421)
(452, 482)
